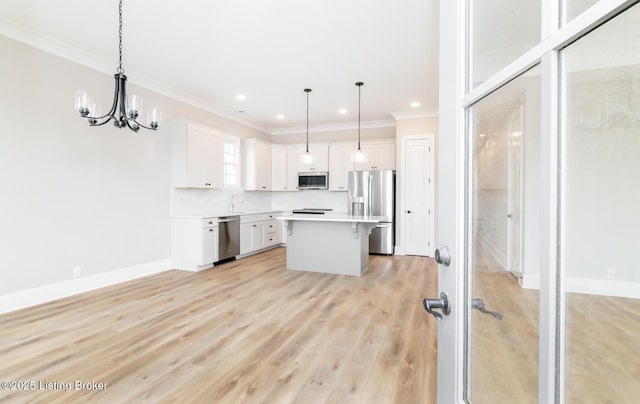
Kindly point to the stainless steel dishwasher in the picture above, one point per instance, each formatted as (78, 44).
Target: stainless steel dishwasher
(228, 238)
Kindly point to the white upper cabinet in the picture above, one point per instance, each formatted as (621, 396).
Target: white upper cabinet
(197, 156)
(378, 155)
(257, 165)
(284, 168)
(340, 163)
(319, 158)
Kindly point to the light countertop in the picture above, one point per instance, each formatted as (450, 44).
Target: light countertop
(333, 217)
(221, 214)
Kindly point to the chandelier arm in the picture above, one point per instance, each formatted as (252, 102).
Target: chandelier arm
(96, 123)
(143, 126)
(123, 98)
(132, 127)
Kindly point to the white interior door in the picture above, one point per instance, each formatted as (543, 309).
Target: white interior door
(418, 195)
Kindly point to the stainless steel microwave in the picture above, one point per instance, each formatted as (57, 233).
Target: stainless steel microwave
(313, 180)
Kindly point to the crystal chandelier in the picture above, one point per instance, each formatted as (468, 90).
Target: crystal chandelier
(125, 111)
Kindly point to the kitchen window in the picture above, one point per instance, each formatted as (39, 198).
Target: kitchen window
(231, 162)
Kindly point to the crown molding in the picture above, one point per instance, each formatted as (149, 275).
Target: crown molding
(61, 49)
(417, 113)
(334, 127)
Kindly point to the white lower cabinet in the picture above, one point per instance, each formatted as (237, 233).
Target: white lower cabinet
(251, 237)
(259, 231)
(194, 243)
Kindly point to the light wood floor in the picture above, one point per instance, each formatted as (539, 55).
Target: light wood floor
(602, 346)
(246, 331)
(251, 332)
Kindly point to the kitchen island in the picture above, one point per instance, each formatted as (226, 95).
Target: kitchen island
(331, 243)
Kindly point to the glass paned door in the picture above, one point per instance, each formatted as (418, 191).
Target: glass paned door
(600, 218)
(502, 331)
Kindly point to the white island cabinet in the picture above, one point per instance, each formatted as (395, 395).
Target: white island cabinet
(329, 243)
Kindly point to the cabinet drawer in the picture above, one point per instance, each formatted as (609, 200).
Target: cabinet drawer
(270, 226)
(209, 222)
(270, 239)
(258, 217)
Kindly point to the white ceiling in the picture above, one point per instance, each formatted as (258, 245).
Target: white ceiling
(207, 52)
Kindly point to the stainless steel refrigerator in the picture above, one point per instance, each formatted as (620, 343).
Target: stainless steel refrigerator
(373, 193)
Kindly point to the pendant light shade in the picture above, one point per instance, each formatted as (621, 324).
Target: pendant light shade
(126, 111)
(307, 157)
(359, 154)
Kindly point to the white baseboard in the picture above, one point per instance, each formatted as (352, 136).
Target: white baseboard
(602, 287)
(31, 297)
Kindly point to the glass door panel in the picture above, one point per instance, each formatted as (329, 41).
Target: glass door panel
(502, 30)
(502, 360)
(600, 218)
(573, 8)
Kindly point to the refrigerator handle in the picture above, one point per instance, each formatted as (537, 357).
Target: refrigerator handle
(370, 195)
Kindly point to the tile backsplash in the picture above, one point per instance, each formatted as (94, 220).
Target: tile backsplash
(309, 199)
(189, 201)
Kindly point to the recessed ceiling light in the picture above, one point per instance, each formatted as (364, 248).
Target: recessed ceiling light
(241, 97)
(281, 117)
(342, 111)
(415, 104)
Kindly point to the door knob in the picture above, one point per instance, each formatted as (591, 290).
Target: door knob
(441, 303)
(408, 211)
(443, 256)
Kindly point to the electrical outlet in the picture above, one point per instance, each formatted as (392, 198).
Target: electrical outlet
(611, 273)
(77, 271)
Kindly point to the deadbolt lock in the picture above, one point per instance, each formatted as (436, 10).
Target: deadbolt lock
(443, 256)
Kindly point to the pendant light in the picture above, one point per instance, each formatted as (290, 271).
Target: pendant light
(125, 111)
(307, 157)
(359, 155)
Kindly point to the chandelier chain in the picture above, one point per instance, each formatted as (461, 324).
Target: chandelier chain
(120, 69)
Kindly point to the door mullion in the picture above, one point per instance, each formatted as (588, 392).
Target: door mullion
(550, 344)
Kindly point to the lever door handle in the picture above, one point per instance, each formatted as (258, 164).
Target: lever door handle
(441, 303)
(479, 304)
(409, 211)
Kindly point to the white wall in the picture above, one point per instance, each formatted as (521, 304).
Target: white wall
(603, 175)
(75, 195)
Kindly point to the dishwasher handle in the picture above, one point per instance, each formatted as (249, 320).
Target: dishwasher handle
(228, 219)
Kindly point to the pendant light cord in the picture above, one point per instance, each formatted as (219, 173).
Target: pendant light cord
(307, 90)
(359, 84)
(120, 69)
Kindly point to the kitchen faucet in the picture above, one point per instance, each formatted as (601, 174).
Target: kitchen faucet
(241, 201)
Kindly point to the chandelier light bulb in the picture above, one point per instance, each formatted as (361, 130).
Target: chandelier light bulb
(135, 106)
